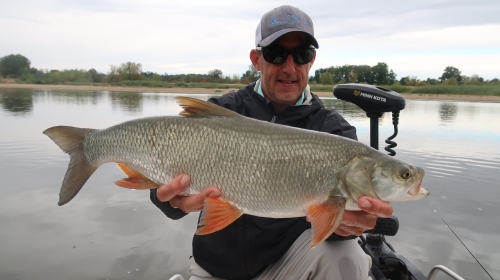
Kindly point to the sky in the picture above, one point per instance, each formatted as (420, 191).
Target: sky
(415, 38)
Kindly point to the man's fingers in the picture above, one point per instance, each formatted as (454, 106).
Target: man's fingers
(173, 188)
(359, 219)
(375, 206)
(341, 232)
(175, 201)
(356, 222)
(194, 202)
(350, 230)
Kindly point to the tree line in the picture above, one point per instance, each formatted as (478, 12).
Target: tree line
(380, 74)
(19, 67)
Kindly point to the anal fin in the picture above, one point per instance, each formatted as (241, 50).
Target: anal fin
(217, 214)
(135, 179)
(325, 218)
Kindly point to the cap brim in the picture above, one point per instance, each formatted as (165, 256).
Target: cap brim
(271, 38)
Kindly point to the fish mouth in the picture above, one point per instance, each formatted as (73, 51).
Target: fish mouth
(417, 192)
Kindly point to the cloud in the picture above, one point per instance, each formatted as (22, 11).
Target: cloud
(195, 37)
(421, 53)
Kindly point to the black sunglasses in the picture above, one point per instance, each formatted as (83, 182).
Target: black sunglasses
(278, 55)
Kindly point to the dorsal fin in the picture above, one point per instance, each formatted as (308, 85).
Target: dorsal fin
(195, 108)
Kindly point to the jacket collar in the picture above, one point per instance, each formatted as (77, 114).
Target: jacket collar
(305, 99)
(261, 108)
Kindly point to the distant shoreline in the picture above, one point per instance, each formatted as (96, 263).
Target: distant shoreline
(410, 96)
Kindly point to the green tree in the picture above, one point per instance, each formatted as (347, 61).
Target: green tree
(112, 76)
(432, 81)
(215, 74)
(409, 81)
(130, 71)
(126, 71)
(326, 79)
(451, 72)
(378, 74)
(451, 82)
(235, 79)
(353, 76)
(96, 77)
(11, 65)
(473, 80)
(382, 75)
(156, 77)
(251, 75)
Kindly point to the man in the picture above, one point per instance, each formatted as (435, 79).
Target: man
(263, 248)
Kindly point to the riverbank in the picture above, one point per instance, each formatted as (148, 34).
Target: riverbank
(410, 96)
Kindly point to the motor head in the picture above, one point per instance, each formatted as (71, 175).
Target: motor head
(372, 99)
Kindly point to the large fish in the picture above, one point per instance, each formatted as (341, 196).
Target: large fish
(262, 169)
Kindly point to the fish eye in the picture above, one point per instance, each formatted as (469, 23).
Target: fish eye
(405, 173)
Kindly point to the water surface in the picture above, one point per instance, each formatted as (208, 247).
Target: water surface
(108, 232)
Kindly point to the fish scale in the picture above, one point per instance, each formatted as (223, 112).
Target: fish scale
(195, 148)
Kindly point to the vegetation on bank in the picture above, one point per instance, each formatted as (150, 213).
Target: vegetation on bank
(130, 74)
(486, 90)
(162, 84)
(482, 90)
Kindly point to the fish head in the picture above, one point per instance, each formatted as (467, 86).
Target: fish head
(396, 180)
(384, 177)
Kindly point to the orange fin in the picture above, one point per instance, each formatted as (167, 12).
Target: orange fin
(135, 179)
(325, 218)
(217, 214)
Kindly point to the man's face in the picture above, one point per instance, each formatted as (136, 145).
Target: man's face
(283, 84)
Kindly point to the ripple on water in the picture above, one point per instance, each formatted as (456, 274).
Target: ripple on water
(462, 168)
(31, 153)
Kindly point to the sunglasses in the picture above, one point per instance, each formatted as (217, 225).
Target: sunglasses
(278, 55)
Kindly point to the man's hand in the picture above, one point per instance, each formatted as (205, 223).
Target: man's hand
(169, 192)
(356, 222)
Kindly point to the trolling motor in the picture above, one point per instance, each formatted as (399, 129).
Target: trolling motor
(375, 101)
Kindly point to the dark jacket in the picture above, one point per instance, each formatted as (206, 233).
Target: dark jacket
(247, 246)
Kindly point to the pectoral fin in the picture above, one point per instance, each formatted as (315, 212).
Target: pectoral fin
(217, 214)
(325, 218)
(135, 179)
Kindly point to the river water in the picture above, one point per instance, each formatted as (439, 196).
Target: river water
(108, 232)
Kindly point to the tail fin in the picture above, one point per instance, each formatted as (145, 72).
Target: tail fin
(70, 140)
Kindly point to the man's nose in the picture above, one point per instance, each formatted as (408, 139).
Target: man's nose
(289, 65)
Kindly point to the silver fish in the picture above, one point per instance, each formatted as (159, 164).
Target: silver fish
(262, 169)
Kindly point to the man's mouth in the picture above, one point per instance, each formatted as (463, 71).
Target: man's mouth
(287, 82)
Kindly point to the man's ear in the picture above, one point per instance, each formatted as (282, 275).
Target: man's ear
(254, 58)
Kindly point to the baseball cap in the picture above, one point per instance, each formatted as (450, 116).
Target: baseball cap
(282, 20)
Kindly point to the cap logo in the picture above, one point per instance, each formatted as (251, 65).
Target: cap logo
(287, 19)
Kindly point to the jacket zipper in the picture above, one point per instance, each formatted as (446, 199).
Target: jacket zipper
(274, 119)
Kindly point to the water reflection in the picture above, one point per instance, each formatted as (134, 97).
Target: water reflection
(69, 97)
(108, 232)
(346, 109)
(17, 101)
(130, 102)
(447, 111)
